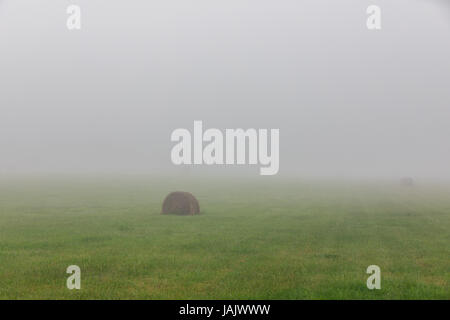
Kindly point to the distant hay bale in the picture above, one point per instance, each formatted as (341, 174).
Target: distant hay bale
(181, 203)
(407, 182)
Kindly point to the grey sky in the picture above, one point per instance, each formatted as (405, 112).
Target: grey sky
(348, 101)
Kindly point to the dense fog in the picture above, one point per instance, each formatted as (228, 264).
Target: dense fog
(349, 102)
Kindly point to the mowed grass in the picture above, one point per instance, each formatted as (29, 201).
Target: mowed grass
(256, 239)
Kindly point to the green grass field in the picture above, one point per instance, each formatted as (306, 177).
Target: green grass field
(260, 239)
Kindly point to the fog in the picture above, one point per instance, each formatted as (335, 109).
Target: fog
(349, 102)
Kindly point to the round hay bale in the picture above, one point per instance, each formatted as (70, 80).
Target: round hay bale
(181, 203)
(407, 182)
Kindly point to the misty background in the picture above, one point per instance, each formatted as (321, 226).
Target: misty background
(349, 102)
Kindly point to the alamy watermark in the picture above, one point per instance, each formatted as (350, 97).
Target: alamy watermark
(374, 19)
(74, 19)
(74, 280)
(374, 281)
(235, 146)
